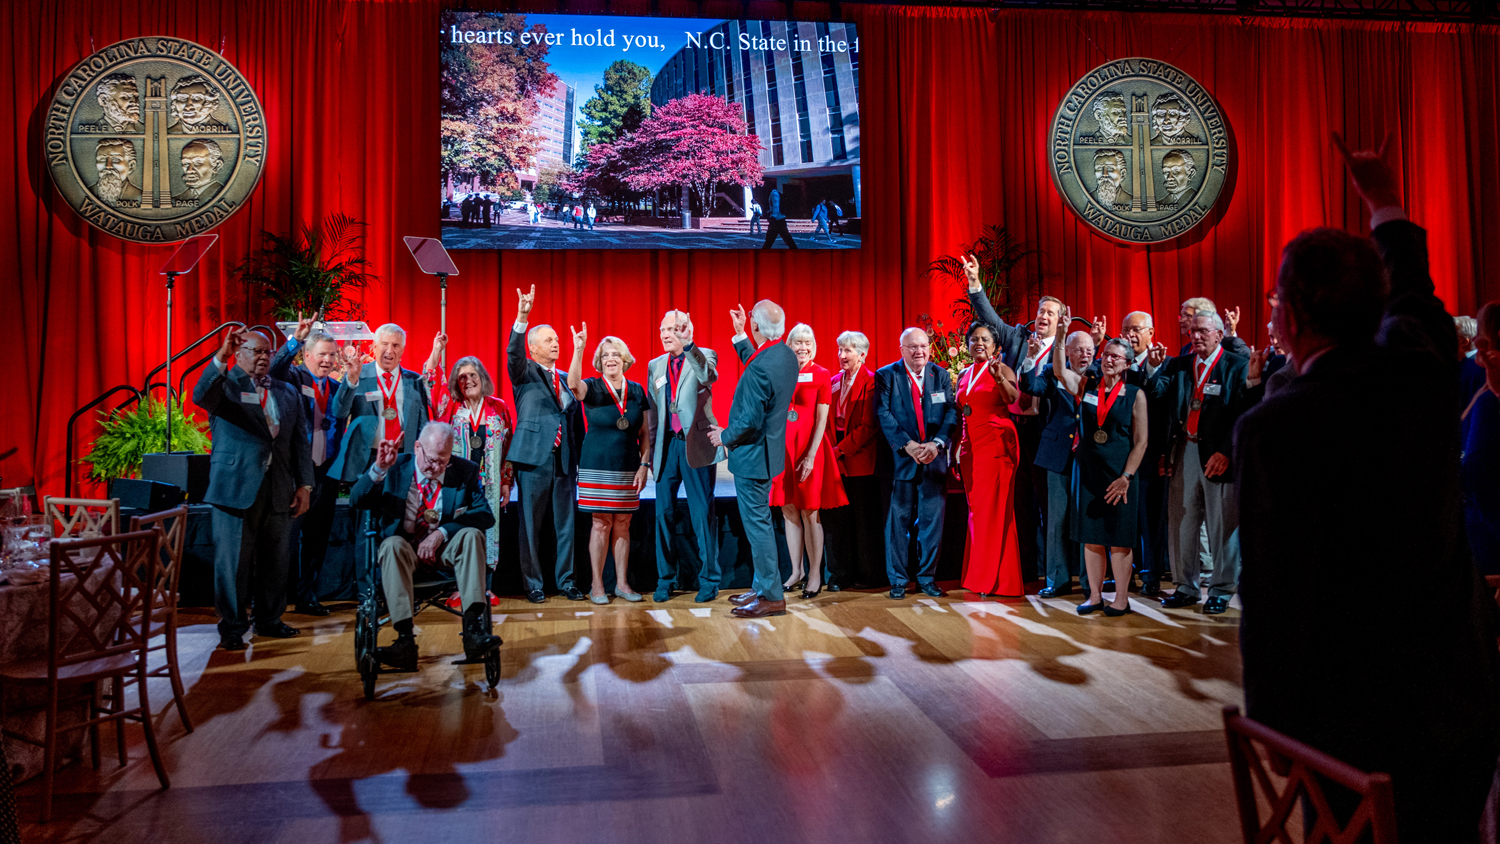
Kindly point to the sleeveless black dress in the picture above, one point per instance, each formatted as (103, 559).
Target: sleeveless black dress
(1096, 521)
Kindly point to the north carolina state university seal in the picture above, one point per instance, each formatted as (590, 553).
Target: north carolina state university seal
(155, 139)
(1139, 150)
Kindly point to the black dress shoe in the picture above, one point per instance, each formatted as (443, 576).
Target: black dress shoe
(1056, 591)
(808, 596)
(898, 592)
(1150, 589)
(1178, 599)
(834, 587)
(235, 642)
(478, 638)
(278, 630)
(312, 608)
(1111, 612)
(400, 655)
(573, 594)
(932, 589)
(1085, 609)
(1216, 604)
(536, 597)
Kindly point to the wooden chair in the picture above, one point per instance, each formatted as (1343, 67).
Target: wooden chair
(1304, 771)
(101, 593)
(173, 524)
(83, 518)
(1493, 582)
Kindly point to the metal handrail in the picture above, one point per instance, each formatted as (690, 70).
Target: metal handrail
(191, 346)
(68, 477)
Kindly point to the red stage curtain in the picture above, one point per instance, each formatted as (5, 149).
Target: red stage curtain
(955, 107)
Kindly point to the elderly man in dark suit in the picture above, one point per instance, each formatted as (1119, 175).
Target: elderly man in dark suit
(320, 356)
(1339, 469)
(756, 438)
(679, 414)
(386, 402)
(428, 507)
(1203, 392)
(549, 436)
(917, 415)
(260, 476)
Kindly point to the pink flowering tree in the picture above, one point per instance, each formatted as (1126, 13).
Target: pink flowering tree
(698, 140)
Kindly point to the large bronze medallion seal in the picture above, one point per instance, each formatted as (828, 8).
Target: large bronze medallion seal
(1139, 150)
(155, 139)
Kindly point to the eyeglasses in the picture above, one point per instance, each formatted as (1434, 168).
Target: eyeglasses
(1112, 356)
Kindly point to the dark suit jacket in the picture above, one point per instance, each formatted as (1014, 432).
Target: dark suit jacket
(898, 421)
(538, 412)
(1055, 447)
(244, 452)
(364, 425)
(462, 498)
(860, 449)
(756, 431)
(1342, 475)
(1010, 339)
(1172, 383)
(283, 369)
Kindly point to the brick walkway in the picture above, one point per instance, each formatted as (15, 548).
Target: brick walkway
(512, 230)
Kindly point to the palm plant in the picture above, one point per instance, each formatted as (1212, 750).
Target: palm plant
(313, 270)
(131, 433)
(1000, 257)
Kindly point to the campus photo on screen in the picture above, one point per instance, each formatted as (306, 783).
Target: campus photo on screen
(613, 132)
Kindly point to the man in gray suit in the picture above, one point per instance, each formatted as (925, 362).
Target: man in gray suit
(387, 402)
(679, 414)
(549, 437)
(260, 477)
(756, 438)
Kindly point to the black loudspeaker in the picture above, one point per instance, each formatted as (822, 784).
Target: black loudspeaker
(145, 496)
(182, 469)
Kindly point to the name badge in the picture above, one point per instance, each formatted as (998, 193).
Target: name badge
(459, 511)
(373, 395)
(1090, 398)
(307, 390)
(939, 398)
(804, 378)
(250, 398)
(1213, 390)
(661, 382)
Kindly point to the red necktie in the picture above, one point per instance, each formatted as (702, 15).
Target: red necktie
(392, 422)
(1192, 419)
(916, 402)
(674, 371)
(557, 391)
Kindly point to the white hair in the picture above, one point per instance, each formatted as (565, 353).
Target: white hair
(316, 337)
(856, 339)
(1126, 349)
(1466, 326)
(801, 331)
(907, 332)
(531, 335)
(391, 328)
(1150, 323)
(1214, 320)
(437, 433)
(768, 329)
(674, 317)
(1078, 335)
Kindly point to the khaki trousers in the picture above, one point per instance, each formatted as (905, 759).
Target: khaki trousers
(463, 552)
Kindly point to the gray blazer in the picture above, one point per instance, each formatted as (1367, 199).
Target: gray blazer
(756, 431)
(362, 406)
(244, 452)
(538, 414)
(695, 406)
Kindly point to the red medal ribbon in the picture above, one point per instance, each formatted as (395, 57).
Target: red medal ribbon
(765, 346)
(320, 395)
(1106, 403)
(618, 400)
(1202, 381)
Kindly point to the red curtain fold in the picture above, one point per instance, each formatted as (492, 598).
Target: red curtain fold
(955, 108)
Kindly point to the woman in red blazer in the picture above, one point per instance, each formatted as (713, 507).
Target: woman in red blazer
(855, 534)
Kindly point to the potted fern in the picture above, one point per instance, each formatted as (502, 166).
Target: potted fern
(311, 271)
(131, 433)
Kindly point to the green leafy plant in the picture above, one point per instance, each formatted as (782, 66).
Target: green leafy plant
(1001, 258)
(131, 433)
(313, 270)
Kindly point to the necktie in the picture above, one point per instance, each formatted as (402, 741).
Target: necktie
(557, 390)
(320, 410)
(674, 372)
(916, 402)
(1192, 418)
(392, 413)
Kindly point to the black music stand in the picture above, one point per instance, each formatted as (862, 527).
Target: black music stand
(433, 259)
(182, 262)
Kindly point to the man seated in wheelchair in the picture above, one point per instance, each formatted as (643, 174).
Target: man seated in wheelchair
(428, 506)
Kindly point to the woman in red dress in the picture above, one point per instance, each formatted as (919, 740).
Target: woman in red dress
(987, 455)
(811, 480)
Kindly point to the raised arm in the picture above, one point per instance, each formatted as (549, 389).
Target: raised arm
(206, 393)
(984, 311)
(515, 349)
(1006, 379)
(575, 369)
(1070, 380)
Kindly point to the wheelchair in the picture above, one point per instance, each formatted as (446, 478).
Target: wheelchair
(430, 588)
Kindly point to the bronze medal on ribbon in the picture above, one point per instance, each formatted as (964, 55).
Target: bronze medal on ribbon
(968, 410)
(1100, 437)
(672, 407)
(389, 413)
(622, 423)
(431, 517)
(791, 416)
(476, 442)
(1195, 405)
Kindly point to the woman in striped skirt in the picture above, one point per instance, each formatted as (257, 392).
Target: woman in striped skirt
(615, 460)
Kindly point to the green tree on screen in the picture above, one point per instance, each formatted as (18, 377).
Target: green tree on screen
(618, 106)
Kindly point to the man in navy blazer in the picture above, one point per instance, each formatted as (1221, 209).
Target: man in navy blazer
(320, 357)
(428, 507)
(920, 450)
(260, 477)
(386, 402)
(545, 449)
(1054, 460)
(755, 435)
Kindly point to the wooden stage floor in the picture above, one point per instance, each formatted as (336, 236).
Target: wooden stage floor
(851, 719)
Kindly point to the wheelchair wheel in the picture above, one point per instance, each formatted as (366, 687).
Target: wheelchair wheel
(363, 644)
(492, 668)
(369, 669)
